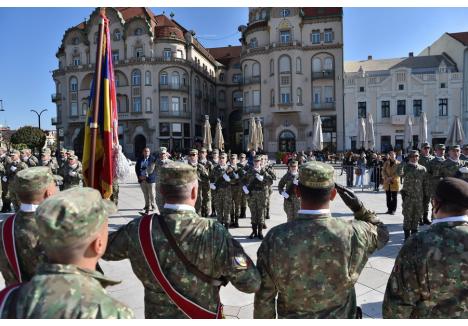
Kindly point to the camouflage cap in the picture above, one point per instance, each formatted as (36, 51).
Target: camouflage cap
(163, 150)
(234, 156)
(15, 152)
(203, 150)
(193, 151)
(242, 155)
(413, 152)
(316, 175)
(258, 158)
(465, 146)
(177, 174)
(439, 146)
(72, 216)
(33, 179)
(70, 152)
(63, 150)
(293, 163)
(215, 151)
(223, 155)
(425, 144)
(454, 147)
(72, 157)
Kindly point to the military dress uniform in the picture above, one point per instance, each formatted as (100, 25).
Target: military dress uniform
(424, 161)
(221, 184)
(310, 265)
(65, 290)
(205, 242)
(287, 188)
(414, 177)
(429, 278)
(72, 175)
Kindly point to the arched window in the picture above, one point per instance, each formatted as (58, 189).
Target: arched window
(147, 78)
(76, 41)
(328, 63)
(246, 71)
(197, 83)
(84, 109)
(221, 77)
(175, 79)
(73, 84)
(136, 77)
(138, 31)
(117, 35)
(205, 89)
(119, 107)
(285, 64)
(299, 95)
(148, 106)
(316, 65)
(298, 65)
(256, 69)
(184, 79)
(272, 97)
(272, 67)
(253, 43)
(163, 78)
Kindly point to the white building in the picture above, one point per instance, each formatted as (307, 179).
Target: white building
(391, 89)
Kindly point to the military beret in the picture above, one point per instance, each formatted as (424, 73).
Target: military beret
(33, 179)
(258, 158)
(413, 152)
(72, 216)
(177, 174)
(242, 155)
(193, 151)
(203, 150)
(293, 163)
(215, 151)
(316, 175)
(234, 156)
(223, 155)
(14, 152)
(425, 144)
(163, 150)
(439, 146)
(453, 190)
(454, 147)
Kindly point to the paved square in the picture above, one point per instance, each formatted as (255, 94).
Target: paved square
(370, 288)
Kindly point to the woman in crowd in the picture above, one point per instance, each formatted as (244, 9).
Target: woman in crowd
(391, 182)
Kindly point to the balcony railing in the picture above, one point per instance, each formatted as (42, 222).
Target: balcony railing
(252, 80)
(323, 106)
(56, 97)
(252, 109)
(173, 87)
(324, 74)
(175, 114)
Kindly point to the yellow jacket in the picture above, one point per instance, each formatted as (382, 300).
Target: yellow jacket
(391, 171)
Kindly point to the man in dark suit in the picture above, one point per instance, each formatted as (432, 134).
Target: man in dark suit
(144, 169)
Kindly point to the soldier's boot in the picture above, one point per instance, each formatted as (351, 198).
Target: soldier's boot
(254, 231)
(267, 216)
(414, 231)
(264, 226)
(260, 234)
(236, 221)
(407, 234)
(6, 206)
(242, 214)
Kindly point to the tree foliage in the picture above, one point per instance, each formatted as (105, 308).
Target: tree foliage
(33, 137)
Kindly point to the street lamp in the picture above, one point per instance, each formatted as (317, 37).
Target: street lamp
(1, 106)
(39, 116)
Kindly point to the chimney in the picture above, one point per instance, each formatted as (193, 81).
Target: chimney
(411, 54)
(369, 57)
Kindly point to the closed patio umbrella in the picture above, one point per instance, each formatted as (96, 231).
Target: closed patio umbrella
(219, 139)
(370, 135)
(408, 140)
(207, 140)
(259, 134)
(456, 134)
(317, 135)
(422, 129)
(361, 134)
(253, 143)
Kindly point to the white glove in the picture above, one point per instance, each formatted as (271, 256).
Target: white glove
(5, 179)
(296, 182)
(72, 173)
(285, 194)
(236, 175)
(13, 168)
(246, 191)
(212, 186)
(226, 177)
(259, 177)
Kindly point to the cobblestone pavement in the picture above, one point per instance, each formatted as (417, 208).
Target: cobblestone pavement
(369, 289)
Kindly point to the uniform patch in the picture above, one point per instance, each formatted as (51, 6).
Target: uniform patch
(240, 262)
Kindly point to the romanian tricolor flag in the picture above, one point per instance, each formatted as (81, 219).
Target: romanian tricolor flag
(107, 123)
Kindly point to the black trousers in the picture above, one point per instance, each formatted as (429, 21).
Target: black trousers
(391, 200)
(349, 175)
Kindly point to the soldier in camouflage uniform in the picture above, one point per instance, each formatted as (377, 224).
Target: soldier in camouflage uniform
(287, 189)
(32, 186)
(204, 185)
(236, 190)
(222, 258)
(221, 184)
(28, 158)
(73, 229)
(11, 169)
(269, 168)
(62, 160)
(243, 163)
(256, 183)
(4, 159)
(203, 176)
(453, 163)
(51, 162)
(464, 154)
(214, 161)
(162, 161)
(72, 173)
(429, 278)
(435, 167)
(309, 266)
(115, 192)
(424, 160)
(414, 177)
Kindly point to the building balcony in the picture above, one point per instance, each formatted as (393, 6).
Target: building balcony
(252, 109)
(56, 97)
(172, 87)
(55, 121)
(398, 119)
(175, 114)
(323, 106)
(252, 80)
(324, 74)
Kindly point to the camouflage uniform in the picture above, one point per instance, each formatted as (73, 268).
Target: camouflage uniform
(424, 161)
(435, 173)
(68, 291)
(214, 193)
(72, 176)
(292, 203)
(309, 266)
(159, 164)
(10, 174)
(245, 167)
(451, 167)
(205, 242)
(271, 172)
(28, 248)
(203, 176)
(30, 160)
(429, 278)
(412, 193)
(236, 190)
(115, 192)
(221, 178)
(205, 191)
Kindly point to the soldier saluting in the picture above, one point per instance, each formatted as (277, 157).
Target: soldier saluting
(287, 189)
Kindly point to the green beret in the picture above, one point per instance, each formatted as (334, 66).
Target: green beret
(194, 151)
(440, 146)
(316, 175)
(33, 179)
(413, 152)
(63, 150)
(72, 157)
(71, 216)
(425, 144)
(452, 190)
(177, 174)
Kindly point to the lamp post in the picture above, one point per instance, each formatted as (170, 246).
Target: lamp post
(1, 106)
(39, 116)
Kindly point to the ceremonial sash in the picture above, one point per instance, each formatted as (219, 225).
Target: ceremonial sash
(4, 294)
(188, 307)
(9, 246)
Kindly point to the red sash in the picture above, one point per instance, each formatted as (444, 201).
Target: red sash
(188, 307)
(9, 246)
(4, 294)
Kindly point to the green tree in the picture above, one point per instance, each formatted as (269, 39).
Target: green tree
(33, 137)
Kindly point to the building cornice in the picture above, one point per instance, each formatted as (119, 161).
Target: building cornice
(268, 49)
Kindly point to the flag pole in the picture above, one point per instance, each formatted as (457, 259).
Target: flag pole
(97, 91)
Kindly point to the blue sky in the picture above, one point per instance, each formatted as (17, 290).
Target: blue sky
(30, 38)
